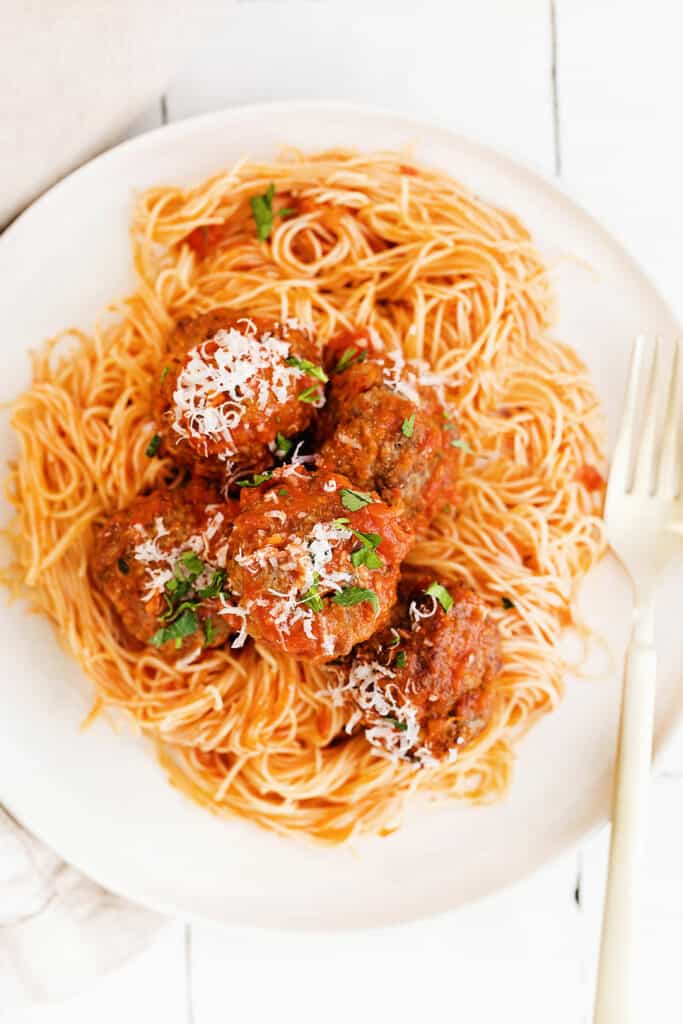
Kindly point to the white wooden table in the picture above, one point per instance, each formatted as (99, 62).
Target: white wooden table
(588, 91)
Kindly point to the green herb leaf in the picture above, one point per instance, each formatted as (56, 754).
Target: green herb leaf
(350, 356)
(350, 596)
(401, 659)
(172, 612)
(438, 591)
(262, 212)
(123, 566)
(408, 426)
(368, 540)
(368, 557)
(283, 443)
(286, 211)
(177, 587)
(164, 373)
(367, 554)
(341, 523)
(457, 442)
(153, 446)
(283, 492)
(507, 603)
(400, 726)
(310, 395)
(185, 625)
(190, 561)
(306, 366)
(209, 631)
(215, 586)
(395, 640)
(312, 596)
(355, 500)
(256, 480)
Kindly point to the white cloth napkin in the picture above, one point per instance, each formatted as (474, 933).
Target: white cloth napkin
(73, 75)
(58, 930)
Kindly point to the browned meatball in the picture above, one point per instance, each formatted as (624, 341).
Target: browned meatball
(230, 384)
(161, 564)
(314, 563)
(423, 685)
(386, 426)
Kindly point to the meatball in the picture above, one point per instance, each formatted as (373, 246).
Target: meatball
(314, 563)
(423, 685)
(230, 384)
(160, 563)
(386, 426)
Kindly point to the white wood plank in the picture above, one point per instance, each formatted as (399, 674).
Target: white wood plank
(482, 69)
(661, 913)
(620, 86)
(503, 959)
(152, 987)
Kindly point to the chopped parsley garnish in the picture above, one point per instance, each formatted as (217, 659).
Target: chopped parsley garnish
(123, 566)
(401, 726)
(283, 443)
(441, 594)
(209, 631)
(172, 613)
(310, 395)
(367, 555)
(164, 373)
(401, 659)
(341, 523)
(215, 586)
(306, 366)
(312, 596)
(395, 641)
(457, 442)
(262, 212)
(190, 561)
(355, 500)
(153, 446)
(185, 625)
(256, 480)
(350, 596)
(408, 426)
(507, 603)
(185, 571)
(350, 356)
(283, 492)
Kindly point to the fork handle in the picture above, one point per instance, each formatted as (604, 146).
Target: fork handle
(616, 989)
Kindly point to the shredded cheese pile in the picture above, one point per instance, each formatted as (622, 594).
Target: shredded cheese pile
(225, 374)
(161, 563)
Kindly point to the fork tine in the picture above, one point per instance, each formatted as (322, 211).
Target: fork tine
(619, 470)
(645, 453)
(669, 469)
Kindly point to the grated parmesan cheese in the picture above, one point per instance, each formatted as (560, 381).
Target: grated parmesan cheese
(416, 613)
(404, 377)
(148, 551)
(223, 375)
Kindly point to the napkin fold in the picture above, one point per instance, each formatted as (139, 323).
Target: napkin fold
(75, 73)
(58, 929)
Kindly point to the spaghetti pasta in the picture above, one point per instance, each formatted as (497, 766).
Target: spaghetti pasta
(371, 242)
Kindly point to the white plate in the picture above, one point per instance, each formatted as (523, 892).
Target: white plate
(98, 797)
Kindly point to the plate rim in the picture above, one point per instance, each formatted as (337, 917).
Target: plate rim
(11, 237)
